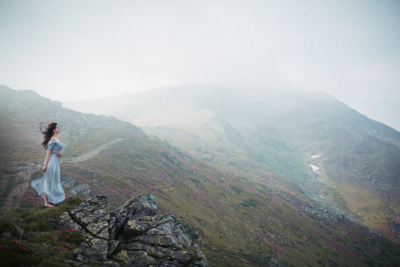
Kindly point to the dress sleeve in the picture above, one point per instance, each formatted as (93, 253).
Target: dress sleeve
(50, 146)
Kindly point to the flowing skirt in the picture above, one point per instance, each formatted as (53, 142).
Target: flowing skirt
(50, 183)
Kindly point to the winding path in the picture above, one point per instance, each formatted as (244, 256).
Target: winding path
(92, 153)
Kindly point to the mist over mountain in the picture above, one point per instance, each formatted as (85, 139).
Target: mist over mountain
(260, 104)
(265, 177)
(280, 128)
(251, 118)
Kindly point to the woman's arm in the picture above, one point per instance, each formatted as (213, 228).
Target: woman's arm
(46, 160)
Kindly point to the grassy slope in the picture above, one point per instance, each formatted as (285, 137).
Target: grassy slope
(236, 199)
(44, 244)
(349, 157)
(232, 231)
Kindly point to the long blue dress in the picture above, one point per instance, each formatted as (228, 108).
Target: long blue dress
(50, 182)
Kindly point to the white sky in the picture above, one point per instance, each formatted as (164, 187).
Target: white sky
(75, 50)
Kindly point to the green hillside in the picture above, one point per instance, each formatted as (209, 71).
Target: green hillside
(282, 128)
(246, 198)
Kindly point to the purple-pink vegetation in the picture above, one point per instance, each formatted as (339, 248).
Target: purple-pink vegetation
(128, 191)
(212, 204)
(251, 189)
(334, 244)
(287, 190)
(277, 201)
(163, 195)
(184, 162)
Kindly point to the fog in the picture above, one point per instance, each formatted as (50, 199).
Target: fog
(75, 50)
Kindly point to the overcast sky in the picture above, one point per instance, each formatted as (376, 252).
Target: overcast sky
(75, 50)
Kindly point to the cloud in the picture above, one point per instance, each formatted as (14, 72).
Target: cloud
(75, 50)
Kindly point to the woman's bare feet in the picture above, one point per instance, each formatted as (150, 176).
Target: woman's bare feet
(46, 203)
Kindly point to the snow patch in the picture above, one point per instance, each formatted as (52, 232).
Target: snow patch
(314, 156)
(314, 168)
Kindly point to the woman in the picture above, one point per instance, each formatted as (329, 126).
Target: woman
(49, 187)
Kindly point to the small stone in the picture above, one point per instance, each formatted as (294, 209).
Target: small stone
(82, 259)
(77, 252)
(20, 232)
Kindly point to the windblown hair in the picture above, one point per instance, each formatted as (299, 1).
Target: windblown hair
(48, 132)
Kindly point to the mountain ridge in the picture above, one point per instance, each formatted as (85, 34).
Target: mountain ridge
(270, 124)
(247, 211)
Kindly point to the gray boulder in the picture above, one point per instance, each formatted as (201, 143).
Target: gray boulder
(68, 182)
(133, 235)
(82, 188)
(171, 158)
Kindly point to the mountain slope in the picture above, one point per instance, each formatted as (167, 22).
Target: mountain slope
(281, 128)
(247, 212)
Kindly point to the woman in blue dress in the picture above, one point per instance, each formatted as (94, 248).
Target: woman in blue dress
(49, 187)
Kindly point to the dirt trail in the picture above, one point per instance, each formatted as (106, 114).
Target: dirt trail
(92, 153)
(23, 172)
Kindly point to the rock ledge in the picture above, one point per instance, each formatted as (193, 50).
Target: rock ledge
(133, 235)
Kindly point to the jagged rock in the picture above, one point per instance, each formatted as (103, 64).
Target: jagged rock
(171, 158)
(82, 188)
(20, 232)
(75, 263)
(112, 245)
(142, 205)
(96, 248)
(133, 235)
(72, 192)
(68, 182)
(92, 175)
(184, 156)
(77, 252)
(82, 259)
(176, 149)
(273, 263)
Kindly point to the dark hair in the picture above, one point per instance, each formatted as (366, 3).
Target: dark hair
(48, 132)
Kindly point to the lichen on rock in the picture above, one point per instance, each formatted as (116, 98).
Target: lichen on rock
(133, 235)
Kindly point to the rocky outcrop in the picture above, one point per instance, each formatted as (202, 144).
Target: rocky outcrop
(80, 188)
(133, 235)
(311, 187)
(184, 156)
(70, 182)
(94, 179)
(171, 157)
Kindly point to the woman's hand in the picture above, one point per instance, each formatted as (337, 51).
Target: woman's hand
(44, 168)
(59, 155)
